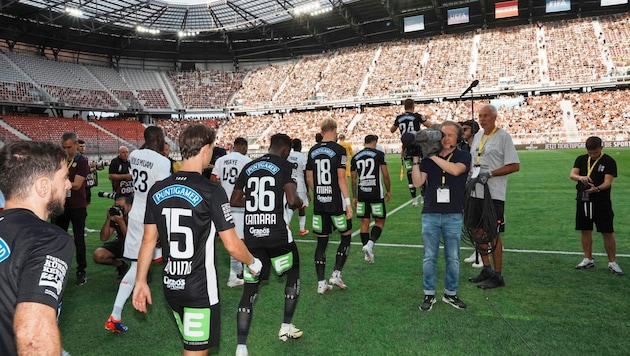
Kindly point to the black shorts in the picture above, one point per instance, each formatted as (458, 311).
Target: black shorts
(325, 224)
(281, 258)
(200, 327)
(366, 210)
(476, 212)
(599, 213)
(116, 247)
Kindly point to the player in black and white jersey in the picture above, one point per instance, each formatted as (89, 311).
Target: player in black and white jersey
(326, 177)
(186, 212)
(263, 188)
(226, 170)
(35, 255)
(298, 160)
(148, 166)
(409, 122)
(369, 171)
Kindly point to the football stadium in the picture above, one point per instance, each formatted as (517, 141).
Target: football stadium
(557, 71)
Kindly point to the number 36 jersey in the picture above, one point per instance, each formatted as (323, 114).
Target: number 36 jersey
(263, 182)
(189, 210)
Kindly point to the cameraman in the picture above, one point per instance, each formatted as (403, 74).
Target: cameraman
(594, 173)
(111, 252)
(444, 168)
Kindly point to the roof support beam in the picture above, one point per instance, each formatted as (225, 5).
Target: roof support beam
(394, 14)
(343, 10)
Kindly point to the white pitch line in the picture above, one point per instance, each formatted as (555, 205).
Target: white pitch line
(466, 248)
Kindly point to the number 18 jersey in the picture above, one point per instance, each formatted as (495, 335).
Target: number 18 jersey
(263, 182)
(324, 159)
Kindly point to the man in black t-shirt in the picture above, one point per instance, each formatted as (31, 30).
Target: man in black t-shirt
(262, 188)
(369, 168)
(326, 178)
(594, 173)
(409, 122)
(120, 172)
(186, 211)
(35, 256)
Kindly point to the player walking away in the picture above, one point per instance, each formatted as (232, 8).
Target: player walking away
(368, 169)
(148, 166)
(262, 188)
(298, 159)
(186, 212)
(226, 170)
(35, 256)
(326, 177)
(411, 122)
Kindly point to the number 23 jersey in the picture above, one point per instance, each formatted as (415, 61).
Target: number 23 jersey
(189, 210)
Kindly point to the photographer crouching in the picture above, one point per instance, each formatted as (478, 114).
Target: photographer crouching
(117, 217)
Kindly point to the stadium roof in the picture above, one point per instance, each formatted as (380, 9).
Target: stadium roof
(242, 30)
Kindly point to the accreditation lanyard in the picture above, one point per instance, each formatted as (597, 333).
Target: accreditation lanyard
(589, 168)
(482, 143)
(448, 159)
(74, 159)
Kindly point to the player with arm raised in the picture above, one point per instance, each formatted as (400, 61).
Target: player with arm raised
(409, 122)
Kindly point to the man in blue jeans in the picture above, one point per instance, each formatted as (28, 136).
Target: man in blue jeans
(445, 173)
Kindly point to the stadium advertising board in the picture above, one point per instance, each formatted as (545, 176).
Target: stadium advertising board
(506, 9)
(457, 16)
(558, 5)
(613, 2)
(414, 23)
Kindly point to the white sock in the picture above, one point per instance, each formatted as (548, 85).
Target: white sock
(235, 266)
(370, 245)
(285, 326)
(302, 220)
(242, 349)
(124, 290)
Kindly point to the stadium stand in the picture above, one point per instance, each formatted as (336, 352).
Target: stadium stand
(130, 130)
(205, 89)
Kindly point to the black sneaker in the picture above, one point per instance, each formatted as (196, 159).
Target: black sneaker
(427, 303)
(482, 276)
(454, 301)
(81, 278)
(122, 269)
(492, 282)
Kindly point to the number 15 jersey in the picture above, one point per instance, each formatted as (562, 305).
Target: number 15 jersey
(189, 210)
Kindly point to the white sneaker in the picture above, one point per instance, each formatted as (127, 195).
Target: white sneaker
(415, 202)
(471, 259)
(614, 268)
(234, 282)
(477, 265)
(241, 350)
(369, 255)
(585, 264)
(323, 287)
(335, 279)
(289, 332)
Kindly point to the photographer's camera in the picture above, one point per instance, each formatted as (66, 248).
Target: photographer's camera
(107, 195)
